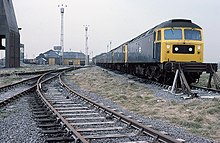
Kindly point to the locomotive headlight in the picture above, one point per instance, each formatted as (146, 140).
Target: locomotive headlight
(199, 47)
(168, 46)
(176, 49)
(190, 49)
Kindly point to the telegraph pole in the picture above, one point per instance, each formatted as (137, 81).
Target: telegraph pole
(62, 31)
(86, 45)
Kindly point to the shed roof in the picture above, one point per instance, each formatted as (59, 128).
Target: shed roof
(73, 55)
(52, 54)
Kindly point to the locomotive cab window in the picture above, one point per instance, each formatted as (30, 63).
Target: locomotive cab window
(173, 34)
(159, 35)
(191, 34)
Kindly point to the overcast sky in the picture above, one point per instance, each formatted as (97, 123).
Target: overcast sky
(110, 20)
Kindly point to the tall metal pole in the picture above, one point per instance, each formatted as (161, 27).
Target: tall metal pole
(110, 45)
(107, 49)
(62, 31)
(86, 45)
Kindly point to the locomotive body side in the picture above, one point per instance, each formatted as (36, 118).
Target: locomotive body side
(118, 56)
(140, 49)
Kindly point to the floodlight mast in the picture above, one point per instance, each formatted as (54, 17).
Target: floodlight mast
(62, 31)
(86, 45)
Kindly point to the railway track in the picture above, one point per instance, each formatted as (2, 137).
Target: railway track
(11, 92)
(204, 92)
(191, 92)
(66, 115)
(200, 92)
(38, 72)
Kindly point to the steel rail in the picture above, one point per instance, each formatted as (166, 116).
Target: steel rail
(30, 89)
(72, 130)
(144, 129)
(205, 88)
(20, 82)
(25, 73)
(28, 73)
(8, 100)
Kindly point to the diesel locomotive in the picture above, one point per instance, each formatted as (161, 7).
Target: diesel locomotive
(158, 52)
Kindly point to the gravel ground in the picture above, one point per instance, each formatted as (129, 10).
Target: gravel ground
(161, 97)
(17, 124)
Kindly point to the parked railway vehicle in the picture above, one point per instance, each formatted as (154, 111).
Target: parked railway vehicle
(157, 53)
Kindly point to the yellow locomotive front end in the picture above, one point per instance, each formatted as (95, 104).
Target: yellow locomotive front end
(181, 44)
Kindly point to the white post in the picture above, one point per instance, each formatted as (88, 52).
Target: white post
(174, 81)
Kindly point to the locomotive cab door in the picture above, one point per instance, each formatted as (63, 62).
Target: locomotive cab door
(157, 46)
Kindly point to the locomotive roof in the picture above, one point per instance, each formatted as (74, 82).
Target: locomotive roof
(170, 23)
(178, 23)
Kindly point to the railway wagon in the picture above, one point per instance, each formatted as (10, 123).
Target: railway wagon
(158, 52)
(102, 58)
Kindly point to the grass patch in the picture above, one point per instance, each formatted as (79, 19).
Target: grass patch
(122, 97)
(173, 103)
(174, 119)
(152, 102)
(3, 114)
(199, 119)
(191, 125)
(214, 110)
(148, 97)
